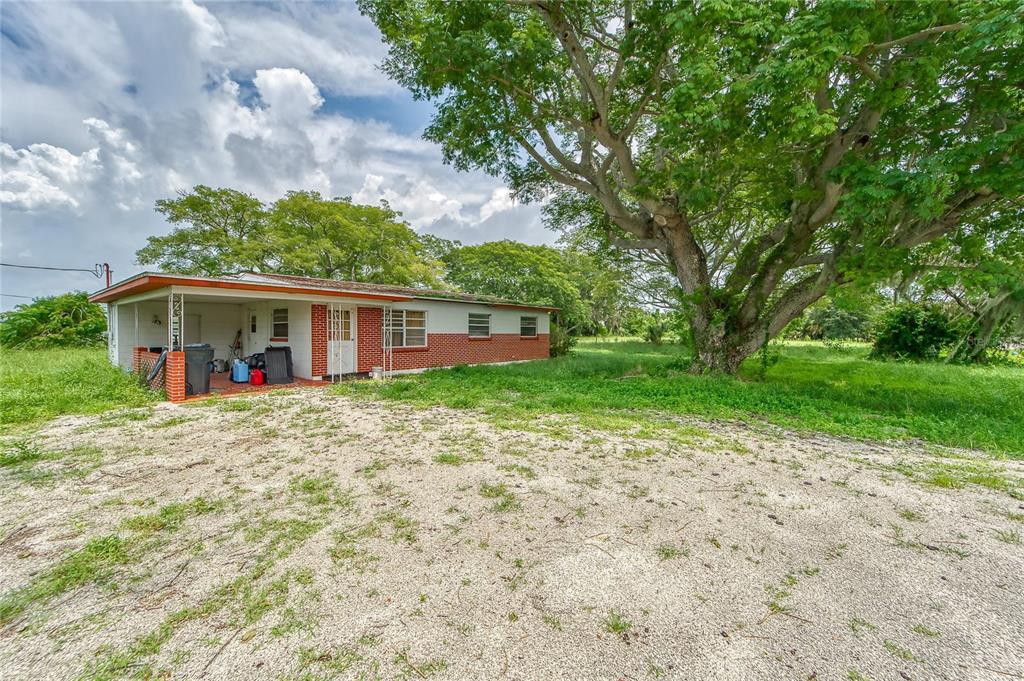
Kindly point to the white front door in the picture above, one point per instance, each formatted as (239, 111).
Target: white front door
(341, 343)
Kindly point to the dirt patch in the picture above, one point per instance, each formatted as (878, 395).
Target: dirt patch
(310, 536)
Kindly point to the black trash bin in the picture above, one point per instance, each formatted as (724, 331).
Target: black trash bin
(197, 368)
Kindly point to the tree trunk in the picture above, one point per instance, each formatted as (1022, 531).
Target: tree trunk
(717, 351)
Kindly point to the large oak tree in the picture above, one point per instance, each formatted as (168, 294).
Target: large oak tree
(765, 152)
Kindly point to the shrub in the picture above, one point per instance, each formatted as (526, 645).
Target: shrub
(833, 323)
(560, 341)
(912, 332)
(655, 331)
(67, 320)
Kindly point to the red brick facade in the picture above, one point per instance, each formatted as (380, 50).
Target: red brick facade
(369, 341)
(443, 349)
(318, 317)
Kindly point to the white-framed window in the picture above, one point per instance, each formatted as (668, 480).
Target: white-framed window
(408, 329)
(528, 327)
(479, 325)
(280, 327)
(339, 321)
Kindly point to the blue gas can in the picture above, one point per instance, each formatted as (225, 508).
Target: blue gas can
(240, 372)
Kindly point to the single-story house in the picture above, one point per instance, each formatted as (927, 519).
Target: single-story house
(333, 328)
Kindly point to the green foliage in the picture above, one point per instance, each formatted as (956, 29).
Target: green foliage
(516, 271)
(830, 322)
(761, 154)
(913, 332)
(560, 341)
(41, 384)
(337, 239)
(67, 320)
(654, 333)
(810, 388)
(223, 231)
(217, 232)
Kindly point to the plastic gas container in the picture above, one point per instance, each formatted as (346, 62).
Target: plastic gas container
(240, 372)
(256, 377)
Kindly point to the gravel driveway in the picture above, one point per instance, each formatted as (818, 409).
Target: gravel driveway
(304, 535)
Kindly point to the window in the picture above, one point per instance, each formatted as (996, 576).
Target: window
(252, 324)
(479, 325)
(280, 324)
(408, 329)
(339, 323)
(528, 327)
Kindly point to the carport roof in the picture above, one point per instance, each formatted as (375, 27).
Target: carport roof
(286, 283)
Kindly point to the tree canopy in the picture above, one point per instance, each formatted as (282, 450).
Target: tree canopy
(223, 231)
(508, 269)
(766, 153)
(66, 320)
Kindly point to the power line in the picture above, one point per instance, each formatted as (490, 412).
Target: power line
(93, 271)
(11, 295)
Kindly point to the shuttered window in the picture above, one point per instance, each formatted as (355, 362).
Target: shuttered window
(479, 325)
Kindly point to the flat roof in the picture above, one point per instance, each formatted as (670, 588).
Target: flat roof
(286, 283)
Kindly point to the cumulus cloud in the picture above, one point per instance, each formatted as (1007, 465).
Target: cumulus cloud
(149, 99)
(41, 175)
(501, 200)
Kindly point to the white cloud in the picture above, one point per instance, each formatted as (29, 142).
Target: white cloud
(501, 200)
(42, 175)
(148, 99)
(289, 94)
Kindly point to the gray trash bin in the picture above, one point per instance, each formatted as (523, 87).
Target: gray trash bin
(197, 368)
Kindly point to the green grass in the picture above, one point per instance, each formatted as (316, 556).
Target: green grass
(41, 384)
(811, 387)
(95, 562)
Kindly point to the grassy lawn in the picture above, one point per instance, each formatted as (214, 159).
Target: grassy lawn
(41, 384)
(810, 388)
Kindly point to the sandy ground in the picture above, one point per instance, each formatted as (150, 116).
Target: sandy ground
(340, 539)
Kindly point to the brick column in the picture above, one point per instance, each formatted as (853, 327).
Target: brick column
(369, 342)
(174, 376)
(318, 317)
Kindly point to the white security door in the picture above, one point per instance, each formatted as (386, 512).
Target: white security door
(341, 344)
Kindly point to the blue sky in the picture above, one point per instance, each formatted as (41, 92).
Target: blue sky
(106, 107)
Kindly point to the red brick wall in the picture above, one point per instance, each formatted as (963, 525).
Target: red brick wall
(174, 376)
(318, 317)
(444, 349)
(368, 338)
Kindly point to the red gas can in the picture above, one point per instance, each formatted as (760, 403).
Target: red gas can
(256, 377)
